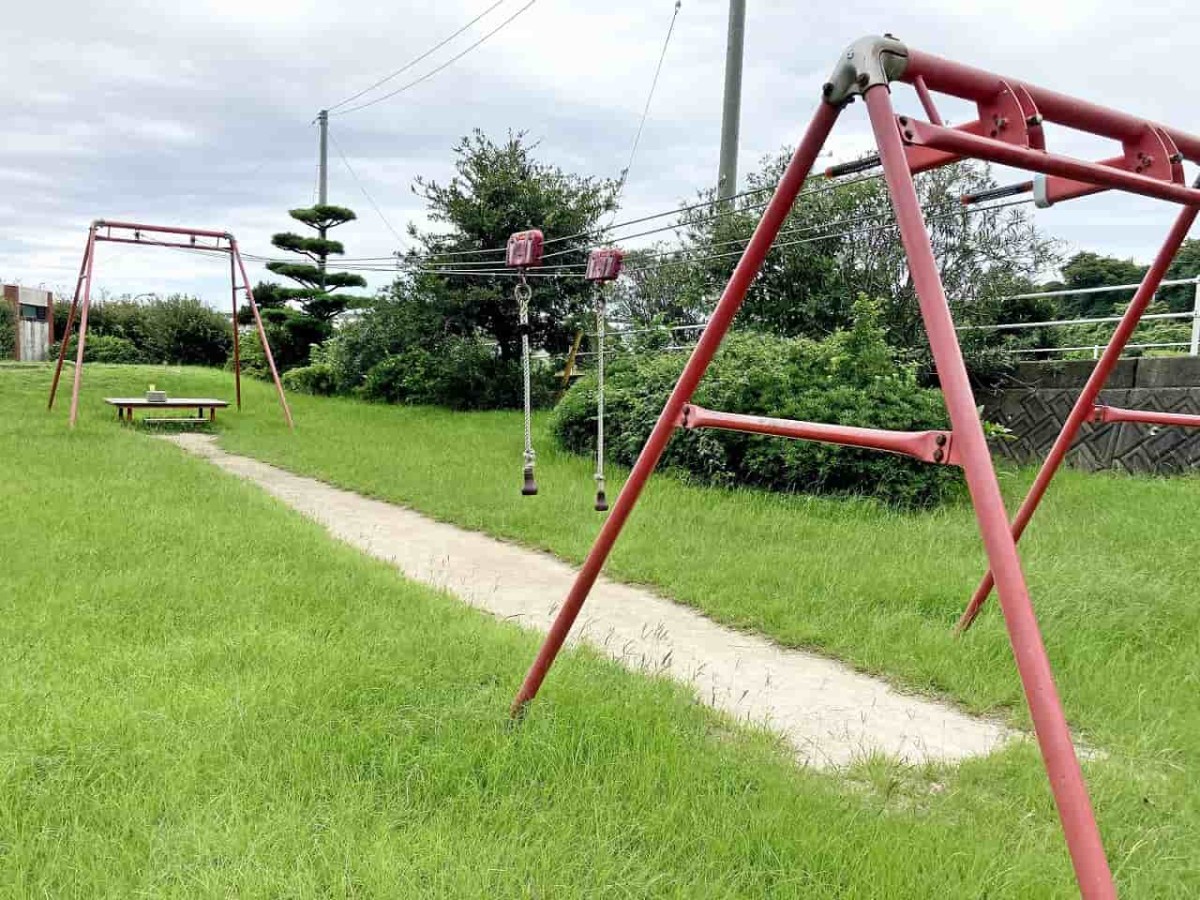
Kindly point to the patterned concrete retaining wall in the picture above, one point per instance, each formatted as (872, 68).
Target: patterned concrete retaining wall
(1036, 403)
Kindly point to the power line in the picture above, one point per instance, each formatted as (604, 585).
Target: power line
(969, 210)
(684, 258)
(704, 204)
(820, 189)
(637, 138)
(437, 69)
(487, 268)
(579, 234)
(365, 193)
(412, 62)
(849, 220)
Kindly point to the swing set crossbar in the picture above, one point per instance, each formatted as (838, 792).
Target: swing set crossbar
(935, 447)
(109, 224)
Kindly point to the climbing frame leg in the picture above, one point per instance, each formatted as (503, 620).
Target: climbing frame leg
(86, 302)
(1008, 131)
(262, 334)
(1033, 665)
(237, 349)
(65, 339)
(1086, 401)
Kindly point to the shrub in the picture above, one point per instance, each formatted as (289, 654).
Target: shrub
(849, 378)
(293, 337)
(106, 348)
(8, 330)
(183, 331)
(399, 351)
(391, 327)
(314, 379)
(178, 329)
(459, 374)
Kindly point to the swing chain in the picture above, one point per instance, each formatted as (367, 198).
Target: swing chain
(601, 499)
(523, 294)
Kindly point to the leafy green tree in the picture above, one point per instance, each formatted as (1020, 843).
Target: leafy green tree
(660, 287)
(291, 332)
(1182, 298)
(1091, 270)
(297, 318)
(316, 293)
(500, 188)
(837, 243)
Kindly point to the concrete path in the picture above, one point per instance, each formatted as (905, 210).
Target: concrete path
(828, 712)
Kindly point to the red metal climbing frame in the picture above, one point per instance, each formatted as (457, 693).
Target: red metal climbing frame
(196, 239)
(1008, 131)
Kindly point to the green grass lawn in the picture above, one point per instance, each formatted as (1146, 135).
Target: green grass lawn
(203, 695)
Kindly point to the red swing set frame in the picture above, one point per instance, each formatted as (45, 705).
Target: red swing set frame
(102, 231)
(1008, 131)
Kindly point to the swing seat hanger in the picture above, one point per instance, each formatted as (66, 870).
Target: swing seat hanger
(604, 264)
(524, 249)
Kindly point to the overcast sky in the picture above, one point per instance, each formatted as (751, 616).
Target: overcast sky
(201, 113)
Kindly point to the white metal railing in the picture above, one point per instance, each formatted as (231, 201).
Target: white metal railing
(1193, 345)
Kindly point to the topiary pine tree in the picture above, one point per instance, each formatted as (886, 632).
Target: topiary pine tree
(315, 295)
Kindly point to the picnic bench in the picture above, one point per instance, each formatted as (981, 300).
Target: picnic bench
(126, 405)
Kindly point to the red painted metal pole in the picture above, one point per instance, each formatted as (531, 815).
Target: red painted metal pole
(927, 446)
(179, 245)
(163, 229)
(83, 322)
(237, 353)
(1108, 414)
(960, 143)
(88, 247)
(262, 332)
(926, 99)
(969, 83)
(1049, 722)
(739, 283)
(1086, 401)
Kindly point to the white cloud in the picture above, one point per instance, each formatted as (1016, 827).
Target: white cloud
(200, 113)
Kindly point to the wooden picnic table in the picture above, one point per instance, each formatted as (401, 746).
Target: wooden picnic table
(126, 405)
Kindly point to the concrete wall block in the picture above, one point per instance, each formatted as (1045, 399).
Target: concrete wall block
(1036, 417)
(1168, 372)
(1070, 373)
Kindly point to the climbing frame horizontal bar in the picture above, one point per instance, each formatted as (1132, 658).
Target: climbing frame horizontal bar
(969, 83)
(963, 144)
(1108, 414)
(928, 446)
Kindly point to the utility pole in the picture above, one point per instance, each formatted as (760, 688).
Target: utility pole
(732, 112)
(323, 163)
(323, 177)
